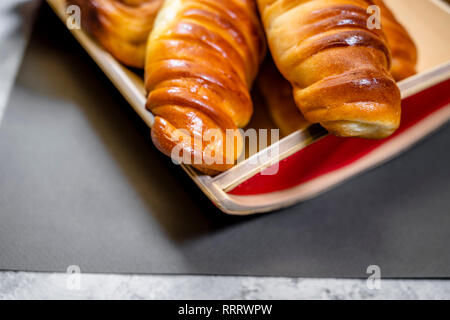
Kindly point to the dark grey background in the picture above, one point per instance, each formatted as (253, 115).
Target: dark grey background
(81, 183)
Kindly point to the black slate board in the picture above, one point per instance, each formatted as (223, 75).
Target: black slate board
(81, 184)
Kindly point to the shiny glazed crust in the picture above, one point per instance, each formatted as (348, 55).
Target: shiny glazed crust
(121, 26)
(403, 49)
(339, 69)
(202, 58)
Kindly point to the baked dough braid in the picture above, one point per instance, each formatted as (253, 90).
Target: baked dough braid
(339, 69)
(121, 26)
(202, 58)
(403, 49)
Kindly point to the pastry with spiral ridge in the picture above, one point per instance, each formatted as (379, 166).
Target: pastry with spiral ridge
(202, 58)
(339, 69)
(121, 26)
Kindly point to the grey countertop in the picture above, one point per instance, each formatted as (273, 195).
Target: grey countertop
(14, 30)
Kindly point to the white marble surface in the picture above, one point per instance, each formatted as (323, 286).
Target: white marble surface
(20, 285)
(14, 29)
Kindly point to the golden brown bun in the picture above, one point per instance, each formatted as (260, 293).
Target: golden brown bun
(403, 49)
(121, 26)
(202, 58)
(339, 69)
(277, 93)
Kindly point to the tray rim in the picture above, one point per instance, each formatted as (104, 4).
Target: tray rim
(132, 88)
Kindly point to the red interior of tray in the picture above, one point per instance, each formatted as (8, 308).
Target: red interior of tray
(332, 153)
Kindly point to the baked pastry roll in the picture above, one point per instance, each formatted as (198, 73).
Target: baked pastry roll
(121, 26)
(339, 69)
(202, 58)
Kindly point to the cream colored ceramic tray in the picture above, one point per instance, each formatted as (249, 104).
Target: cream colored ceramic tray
(244, 190)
